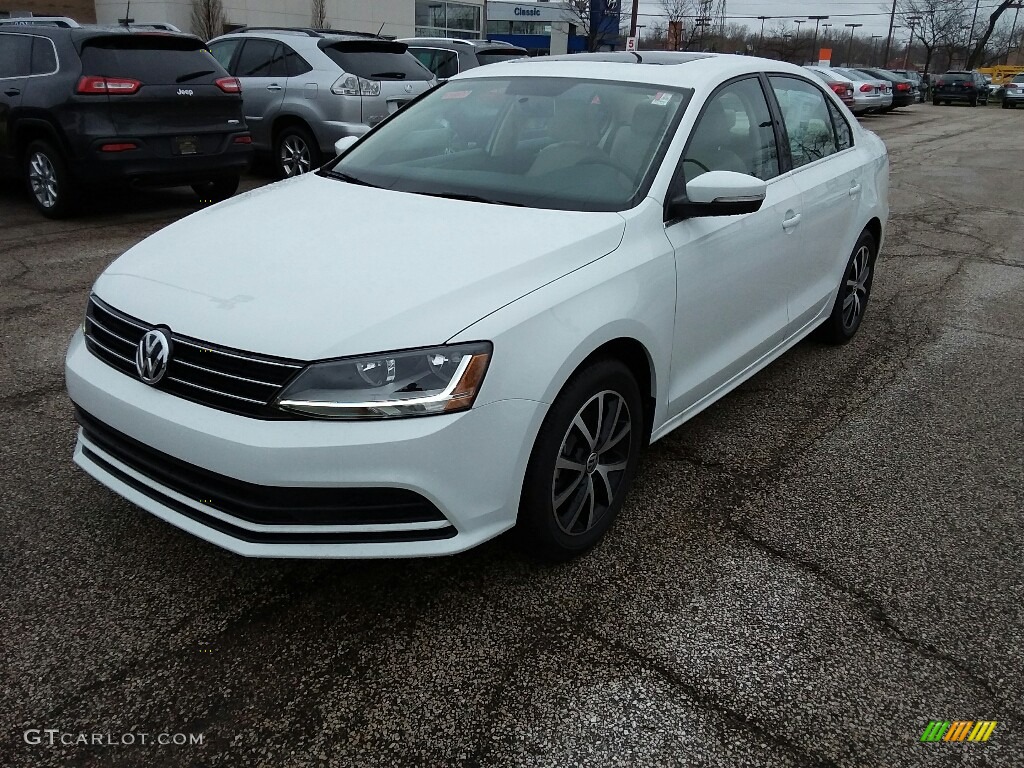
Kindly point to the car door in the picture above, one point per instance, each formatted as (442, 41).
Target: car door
(260, 68)
(732, 271)
(15, 66)
(828, 170)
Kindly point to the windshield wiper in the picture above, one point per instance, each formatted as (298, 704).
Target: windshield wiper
(350, 178)
(194, 75)
(469, 198)
(395, 75)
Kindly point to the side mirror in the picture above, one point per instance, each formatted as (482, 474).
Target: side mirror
(719, 193)
(341, 145)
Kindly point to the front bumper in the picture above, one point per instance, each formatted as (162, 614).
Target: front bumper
(468, 468)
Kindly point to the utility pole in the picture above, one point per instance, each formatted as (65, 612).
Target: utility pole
(633, 19)
(1013, 30)
(970, 35)
(849, 48)
(888, 40)
(796, 52)
(912, 21)
(814, 46)
(760, 41)
(873, 45)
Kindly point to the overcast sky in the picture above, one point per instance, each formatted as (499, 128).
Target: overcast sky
(873, 14)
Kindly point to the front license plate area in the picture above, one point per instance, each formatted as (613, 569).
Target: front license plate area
(186, 145)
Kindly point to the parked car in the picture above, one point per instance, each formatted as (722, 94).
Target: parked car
(903, 90)
(1013, 92)
(960, 86)
(304, 89)
(85, 107)
(446, 57)
(841, 86)
(384, 389)
(868, 95)
(69, 23)
(914, 77)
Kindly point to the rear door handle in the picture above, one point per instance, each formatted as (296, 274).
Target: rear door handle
(855, 190)
(274, 87)
(12, 91)
(791, 222)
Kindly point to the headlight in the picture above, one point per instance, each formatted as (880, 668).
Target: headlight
(418, 382)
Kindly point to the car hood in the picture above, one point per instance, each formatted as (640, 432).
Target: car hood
(313, 267)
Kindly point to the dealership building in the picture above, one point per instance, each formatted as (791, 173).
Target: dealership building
(539, 26)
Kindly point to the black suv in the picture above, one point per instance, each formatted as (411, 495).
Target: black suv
(960, 86)
(92, 106)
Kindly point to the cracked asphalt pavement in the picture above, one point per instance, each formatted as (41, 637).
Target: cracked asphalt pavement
(805, 574)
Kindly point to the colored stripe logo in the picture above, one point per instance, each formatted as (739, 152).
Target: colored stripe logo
(958, 730)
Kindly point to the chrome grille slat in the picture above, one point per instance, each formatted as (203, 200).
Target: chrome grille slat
(226, 379)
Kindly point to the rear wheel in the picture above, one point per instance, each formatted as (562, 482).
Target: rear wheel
(974, 101)
(49, 182)
(854, 291)
(936, 102)
(295, 152)
(583, 462)
(214, 191)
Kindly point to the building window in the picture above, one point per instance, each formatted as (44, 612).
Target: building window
(518, 27)
(436, 18)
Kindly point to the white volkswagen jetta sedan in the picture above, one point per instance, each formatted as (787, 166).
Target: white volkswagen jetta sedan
(482, 311)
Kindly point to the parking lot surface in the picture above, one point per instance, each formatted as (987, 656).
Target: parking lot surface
(805, 574)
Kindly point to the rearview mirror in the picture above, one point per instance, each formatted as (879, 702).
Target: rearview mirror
(341, 145)
(719, 193)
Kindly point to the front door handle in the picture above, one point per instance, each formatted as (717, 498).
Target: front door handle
(12, 92)
(792, 221)
(274, 87)
(855, 190)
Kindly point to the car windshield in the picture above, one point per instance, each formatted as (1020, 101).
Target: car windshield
(562, 143)
(1018, 79)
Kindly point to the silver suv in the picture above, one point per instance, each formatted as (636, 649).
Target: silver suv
(303, 89)
(446, 57)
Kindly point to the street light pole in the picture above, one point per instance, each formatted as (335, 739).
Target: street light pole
(760, 40)
(970, 35)
(873, 46)
(1013, 30)
(814, 46)
(796, 53)
(849, 48)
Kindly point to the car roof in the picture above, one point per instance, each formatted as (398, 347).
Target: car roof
(685, 70)
(456, 43)
(82, 32)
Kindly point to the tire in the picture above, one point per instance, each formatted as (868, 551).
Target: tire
(295, 152)
(854, 292)
(1006, 105)
(974, 101)
(935, 102)
(565, 510)
(210, 192)
(50, 186)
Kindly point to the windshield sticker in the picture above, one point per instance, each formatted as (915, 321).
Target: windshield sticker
(661, 98)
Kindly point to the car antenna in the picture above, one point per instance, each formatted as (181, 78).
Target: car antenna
(381, 28)
(128, 13)
(639, 59)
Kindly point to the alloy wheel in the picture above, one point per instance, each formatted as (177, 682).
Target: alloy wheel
(591, 462)
(42, 177)
(295, 156)
(858, 283)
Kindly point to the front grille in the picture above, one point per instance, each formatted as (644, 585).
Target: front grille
(219, 377)
(263, 504)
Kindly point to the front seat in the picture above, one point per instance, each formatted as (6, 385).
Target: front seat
(575, 135)
(710, 147)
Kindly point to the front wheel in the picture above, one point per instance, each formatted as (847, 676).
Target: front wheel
(583, 462)
(210, 192)
(854, 291)
(935, 102)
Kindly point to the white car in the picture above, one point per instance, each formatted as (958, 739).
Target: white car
(480, 314)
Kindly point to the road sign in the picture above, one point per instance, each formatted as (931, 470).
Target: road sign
(630, 43)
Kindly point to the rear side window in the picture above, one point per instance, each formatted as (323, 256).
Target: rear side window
(44, 57)
(844, 135)
(808, 122)
(375, 60)
(150, 58)
(293, 63)
(260, 58)
(224, 50)
(15, 55)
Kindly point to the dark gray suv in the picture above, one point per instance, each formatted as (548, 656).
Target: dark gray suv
(303, 89)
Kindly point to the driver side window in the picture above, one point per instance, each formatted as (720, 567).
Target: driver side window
(734, 133)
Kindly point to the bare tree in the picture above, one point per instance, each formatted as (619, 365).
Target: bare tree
(319, 14)
(979, 47)
(593, 20)
(207, 18)
(940, 24)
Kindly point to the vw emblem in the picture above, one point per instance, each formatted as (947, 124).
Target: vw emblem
(408, 87)
(152, 356)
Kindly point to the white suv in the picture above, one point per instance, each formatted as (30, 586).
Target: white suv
(302, 90)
